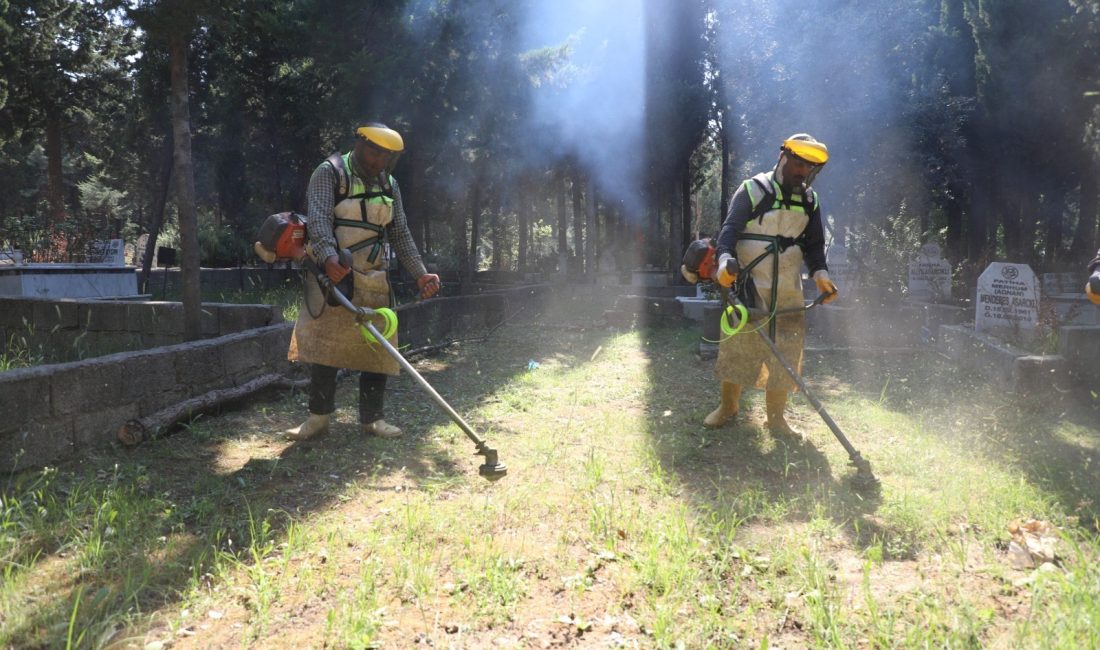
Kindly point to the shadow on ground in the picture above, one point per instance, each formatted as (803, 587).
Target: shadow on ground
(215, 479)
(744, 473)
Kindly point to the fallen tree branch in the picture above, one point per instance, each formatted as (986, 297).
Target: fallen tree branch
(151, 426)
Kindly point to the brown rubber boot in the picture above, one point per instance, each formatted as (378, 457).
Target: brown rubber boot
(731, 404)
(382, 429)
(315, 425)
(776, 401)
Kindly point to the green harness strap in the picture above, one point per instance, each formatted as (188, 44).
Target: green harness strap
(374, 243)
(773, 249)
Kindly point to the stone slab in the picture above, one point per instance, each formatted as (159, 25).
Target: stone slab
(1008, 366)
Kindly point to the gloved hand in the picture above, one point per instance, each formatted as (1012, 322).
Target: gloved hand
(825, 285)
(1093, 294)
(428, 285)
(726, 274)
(334, 270)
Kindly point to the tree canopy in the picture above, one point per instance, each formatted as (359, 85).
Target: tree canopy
(579, 136)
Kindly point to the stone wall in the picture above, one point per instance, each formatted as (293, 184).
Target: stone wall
(52, 412)
(74, 328)
(163, 281)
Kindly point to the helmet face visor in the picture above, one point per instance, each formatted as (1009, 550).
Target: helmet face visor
(390, 157)
(814, 153)
(383, 143)
(382, 137)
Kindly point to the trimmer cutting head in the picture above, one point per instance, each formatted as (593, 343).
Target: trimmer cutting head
(864, 479)
(493, 472)
(492, 469)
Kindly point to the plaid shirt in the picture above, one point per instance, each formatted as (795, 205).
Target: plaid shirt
(321, 198)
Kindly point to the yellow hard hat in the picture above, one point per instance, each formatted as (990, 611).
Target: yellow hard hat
(381, 136)
(807, 148)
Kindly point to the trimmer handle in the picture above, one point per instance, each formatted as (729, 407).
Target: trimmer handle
(337, 294)
(821, 298)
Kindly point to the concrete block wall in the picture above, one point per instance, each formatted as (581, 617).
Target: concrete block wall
(239, 279)
(52, 412)
(74, 328)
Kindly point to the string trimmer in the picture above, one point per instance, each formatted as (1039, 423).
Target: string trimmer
(736, 315)
(285, 243)
(492, 469)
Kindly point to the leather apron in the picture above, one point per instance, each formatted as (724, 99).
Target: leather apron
(328, 335)
(744, 358)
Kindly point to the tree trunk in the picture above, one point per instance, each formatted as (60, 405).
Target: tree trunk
(159, 201)
(727, 173)
(563, 225)
(475, 234)
(185, 187)
(55, 182)
(497, 241)
(523, 217)
(1084, 235)
(1054, 214)
(675, 230)
(592, 230)
(578, 220)
(686, 218)
(156, 424)
(953, 211)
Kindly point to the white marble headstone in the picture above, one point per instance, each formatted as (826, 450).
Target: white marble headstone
(110, 252)
(930, 276)
(1007, 299)
(841, 271)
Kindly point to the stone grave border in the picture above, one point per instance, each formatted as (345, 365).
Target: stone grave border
(54, 412)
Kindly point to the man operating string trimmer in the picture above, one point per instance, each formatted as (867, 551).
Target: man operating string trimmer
(353, 203)
(772, 209)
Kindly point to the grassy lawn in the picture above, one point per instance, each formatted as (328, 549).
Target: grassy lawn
(622, 522)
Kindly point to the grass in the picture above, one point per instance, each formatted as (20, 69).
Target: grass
(622, 521)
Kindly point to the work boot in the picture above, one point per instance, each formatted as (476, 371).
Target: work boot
(382, 429)
(775, 401)
(315, 425)
(731, 401)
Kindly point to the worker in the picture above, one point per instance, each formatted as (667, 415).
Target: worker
(779, 203)
(354, 204)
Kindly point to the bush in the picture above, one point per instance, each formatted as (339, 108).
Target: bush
(220, 247)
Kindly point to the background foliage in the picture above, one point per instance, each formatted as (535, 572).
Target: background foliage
(549, 135)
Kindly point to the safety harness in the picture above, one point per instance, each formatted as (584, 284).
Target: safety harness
(340, 164)
(774, 197)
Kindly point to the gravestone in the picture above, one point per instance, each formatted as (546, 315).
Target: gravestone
(930, 276)
(842, 272)
(1007, 300)
(139, 249)
(110, 252)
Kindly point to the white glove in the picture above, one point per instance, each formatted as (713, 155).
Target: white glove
(825, 285)
(722, 275)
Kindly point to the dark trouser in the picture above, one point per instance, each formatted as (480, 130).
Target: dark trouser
(322, 392)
